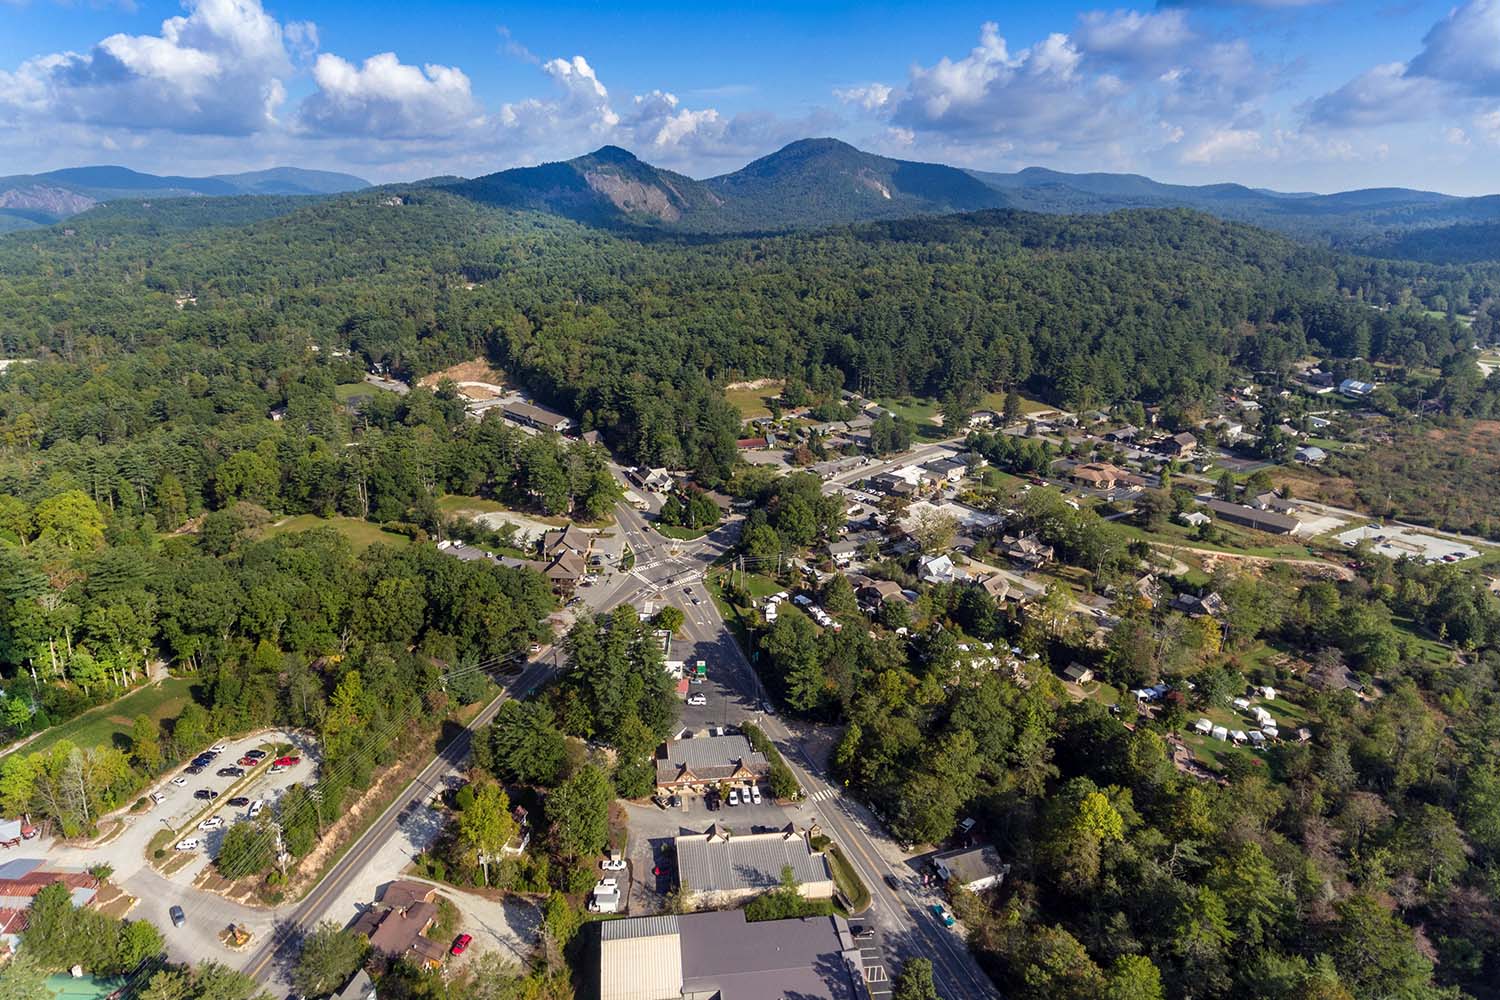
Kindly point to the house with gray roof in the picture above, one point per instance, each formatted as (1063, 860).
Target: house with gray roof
(721, 956)
(720, 868)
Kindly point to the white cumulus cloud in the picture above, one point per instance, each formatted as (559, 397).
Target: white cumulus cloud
(385, 98)
(219, 69)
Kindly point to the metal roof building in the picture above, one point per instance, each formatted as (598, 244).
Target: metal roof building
(704, 761)
(701, 956)
(729, 866)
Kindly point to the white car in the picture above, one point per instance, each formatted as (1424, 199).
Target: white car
(218, 748)
(608, 883)
(179, 781)
(734, 796)
(255, 808)
(613, 865)
(755, 794)
(190, 844)
(697, 699)
(212, 823)
(158, 797)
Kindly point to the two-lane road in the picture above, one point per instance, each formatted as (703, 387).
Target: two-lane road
(271, 963)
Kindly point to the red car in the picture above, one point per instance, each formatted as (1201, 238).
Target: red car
(287, 761)
(460, 943)
(248, 761)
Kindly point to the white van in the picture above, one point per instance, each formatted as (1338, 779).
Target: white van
(190, 844)
(256, 807)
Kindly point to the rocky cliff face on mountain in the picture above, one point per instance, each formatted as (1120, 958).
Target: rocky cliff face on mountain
(44, 199)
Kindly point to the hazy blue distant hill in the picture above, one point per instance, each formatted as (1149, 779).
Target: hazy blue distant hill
(41, 199)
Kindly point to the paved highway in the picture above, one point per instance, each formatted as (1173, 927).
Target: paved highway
(271, 963)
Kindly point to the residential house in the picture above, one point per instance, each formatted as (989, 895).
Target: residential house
(1102, 476)
(721, 869)
(1194, 518)
(877, 593)
(1148, 589)
(592, 438)
(937, 569)
(843, 550)
(1268, 521)
(1180, 445)
(1027, 550)
(985, 418)
(1209, 605)
(719, 955)
(696, 764)
(1310, 454)
(1123, 435)
(359, 987)
(974, 868)
(997, 586)
(397, 926)
(1355, 389)
(1077, 673)
(751, 444)
(538, 417)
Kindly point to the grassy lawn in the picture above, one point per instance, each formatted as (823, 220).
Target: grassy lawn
(681, 534)
(361, 533)
(918, 411)
(355, 390)
(848, 880)
(1180, 534)
(996, 401)
(99, 725)
(752, 402)
(1433, 652)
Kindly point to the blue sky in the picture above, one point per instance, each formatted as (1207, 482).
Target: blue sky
(1289, 94)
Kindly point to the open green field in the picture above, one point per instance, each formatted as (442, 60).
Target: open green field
(1245, 543)
(996, 401)
(354, 390)
(98, 726)
(752, 402)
(361, 533)
(918, 410)
(452, 503)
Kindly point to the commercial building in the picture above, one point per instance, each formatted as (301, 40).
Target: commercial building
(1268, 521)
(531, 415)
(975, 868)
(699, 763)
(720, 956)
(721, 868)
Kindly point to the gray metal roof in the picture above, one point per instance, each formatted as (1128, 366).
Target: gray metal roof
(754, 861)
(637, 927)
(767, 960)
(710, 757)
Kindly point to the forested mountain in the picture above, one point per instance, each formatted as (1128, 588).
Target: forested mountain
(809, 183)
(28, 200)
(818, 182)
(634, 336)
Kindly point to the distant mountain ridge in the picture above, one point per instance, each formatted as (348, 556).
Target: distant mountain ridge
(808, 183)
(818, 182)
(45, 198)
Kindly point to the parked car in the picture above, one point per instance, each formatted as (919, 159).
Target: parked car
(178, 917)
(207, 794)
(892, 882)
(248, 761)
(231, 772)
(287, 761)
(157, 797)
(941, 912)
(460, 943)
(239, 801)
(697, 699)
(256, 807)
(194, 769)
(179, 781)
(734, 796)
(217, 748)
(202, 760)
(212, 823)
(613, 864)
(255, 754)
(190, 844)
(755, 794)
